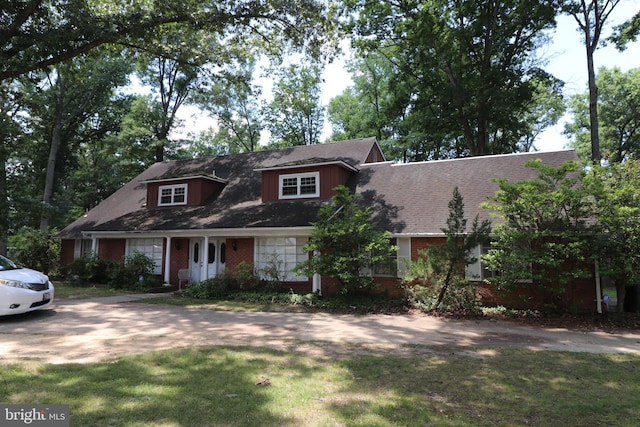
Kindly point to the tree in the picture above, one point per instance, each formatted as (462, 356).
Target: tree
(626, 32)
(615, 189)
(10, 131)
(442, 266)
(591, 17)
(233, 101)
(294, 115)
(470, 66)
(618, 115)
(60, 106)
(546, 239)
(345, 243)
(100, 162)
(365, 108)
(36, 34)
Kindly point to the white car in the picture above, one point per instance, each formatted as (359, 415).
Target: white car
(22, 289)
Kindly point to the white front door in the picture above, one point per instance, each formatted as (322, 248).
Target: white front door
(216, 257)
(195, 259)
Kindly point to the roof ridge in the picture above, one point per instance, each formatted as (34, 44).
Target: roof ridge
(486, 157)
(270, 150)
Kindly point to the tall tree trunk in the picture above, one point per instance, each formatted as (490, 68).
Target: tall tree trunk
(593, 106)
(4, 200)
(56, 132)
(591, 17)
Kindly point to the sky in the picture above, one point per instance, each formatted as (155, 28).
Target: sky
(566, 60)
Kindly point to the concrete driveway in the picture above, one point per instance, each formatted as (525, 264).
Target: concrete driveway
(92, 330)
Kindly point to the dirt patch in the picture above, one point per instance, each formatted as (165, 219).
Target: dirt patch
(94, 330)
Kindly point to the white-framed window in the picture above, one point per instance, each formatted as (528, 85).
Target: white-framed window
(396, 264)
(388, 266)
(299, 185)
(171, 195)
(83, 248)
(278, 256)
(150, 247)
(479, 271)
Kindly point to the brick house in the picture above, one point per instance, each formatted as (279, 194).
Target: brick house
(202, 216)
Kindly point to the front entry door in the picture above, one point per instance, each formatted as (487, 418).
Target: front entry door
(216, 257)
(195, 259)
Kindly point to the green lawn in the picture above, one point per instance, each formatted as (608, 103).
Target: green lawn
(66, 291)
(321, 386)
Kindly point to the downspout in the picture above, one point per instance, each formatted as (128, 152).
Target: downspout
(317, 284)
(598, 290)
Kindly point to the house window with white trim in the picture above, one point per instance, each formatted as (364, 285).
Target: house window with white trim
(388, 266)
(172, 195)
(149, 247)
(479, 271)
(277, 257)
(299, 185)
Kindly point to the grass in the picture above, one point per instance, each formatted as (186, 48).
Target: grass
(225, 386)
(322, 384)
(64, 290)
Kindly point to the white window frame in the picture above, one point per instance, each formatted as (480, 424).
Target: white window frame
(173, 195)
(388, 267)
(479, 272)
(287, 252)
(83, 248)
(299, 177)
(151, 247)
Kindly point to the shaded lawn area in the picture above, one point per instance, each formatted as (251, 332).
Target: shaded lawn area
(246, 386)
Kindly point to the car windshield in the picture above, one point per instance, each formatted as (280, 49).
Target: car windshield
(7, 264)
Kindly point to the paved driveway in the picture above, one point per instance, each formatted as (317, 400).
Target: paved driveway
(97, 329)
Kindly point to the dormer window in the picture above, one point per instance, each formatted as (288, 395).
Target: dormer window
(172, 195)
(299, 185)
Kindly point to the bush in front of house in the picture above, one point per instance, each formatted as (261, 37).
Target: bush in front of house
(226, 283)
(134, 272)
(90, 269)
(36, 249)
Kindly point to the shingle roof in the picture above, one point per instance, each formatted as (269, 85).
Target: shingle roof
(410, 198)
(238, 205)
(416, 195)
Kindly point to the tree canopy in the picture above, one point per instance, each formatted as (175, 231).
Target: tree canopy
(347, 243)
(35, 34)
(471, 67)
(618, 113)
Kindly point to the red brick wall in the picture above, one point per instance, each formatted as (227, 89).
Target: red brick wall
(579, 297)
(243, 252)
(111, 249)
(67, 251)
(179, 258)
